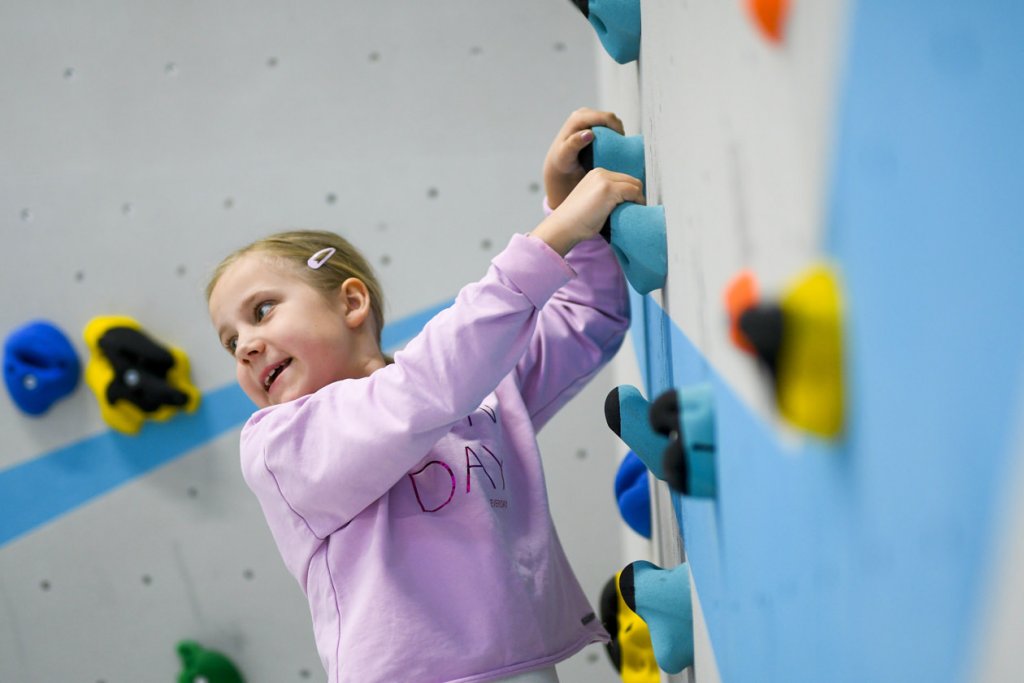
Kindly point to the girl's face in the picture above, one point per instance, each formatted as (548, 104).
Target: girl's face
(288, 340)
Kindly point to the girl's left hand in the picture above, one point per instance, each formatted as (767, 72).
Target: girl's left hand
(562, 170)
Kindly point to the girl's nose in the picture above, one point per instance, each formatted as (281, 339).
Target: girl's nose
(248, 347)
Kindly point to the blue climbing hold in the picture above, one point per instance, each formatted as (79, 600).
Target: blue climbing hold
(615, 152)
(636, 232)
(40, 366)
(687, 418)
(626, 411)
(633, 495)
(661, 597)
(698, 421)
(637, 236)
(617, 23)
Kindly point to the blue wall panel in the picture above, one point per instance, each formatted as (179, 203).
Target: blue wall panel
(863, 559)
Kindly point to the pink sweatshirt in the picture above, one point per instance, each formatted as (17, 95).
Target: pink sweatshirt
(411, 505)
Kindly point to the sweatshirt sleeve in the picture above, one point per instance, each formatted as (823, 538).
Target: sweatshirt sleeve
(579, 330)
(328, 455)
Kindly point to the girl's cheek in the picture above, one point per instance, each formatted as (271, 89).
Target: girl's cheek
(244, 380)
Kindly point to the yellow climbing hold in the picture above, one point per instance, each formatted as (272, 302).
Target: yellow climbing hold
(134, 377)
(809, 383)
(637, 663)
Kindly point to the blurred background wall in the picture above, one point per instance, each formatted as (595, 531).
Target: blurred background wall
(144, 141)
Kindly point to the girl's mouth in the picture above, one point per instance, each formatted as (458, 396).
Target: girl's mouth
(275, 373)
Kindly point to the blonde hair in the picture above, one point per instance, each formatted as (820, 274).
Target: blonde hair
(296, 246)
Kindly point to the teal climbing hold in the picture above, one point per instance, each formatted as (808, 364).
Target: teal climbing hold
(687, 418)
(661, 597)
(617, 23)
(698, 422)
(636, 234)
(626, 411)
(200, 665)
(615, 152)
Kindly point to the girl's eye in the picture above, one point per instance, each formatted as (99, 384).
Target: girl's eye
(262, 310)
(231, 345)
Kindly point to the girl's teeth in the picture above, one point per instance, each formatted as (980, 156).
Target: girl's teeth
(274, 373)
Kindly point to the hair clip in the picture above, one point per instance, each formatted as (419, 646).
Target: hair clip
(320, 257)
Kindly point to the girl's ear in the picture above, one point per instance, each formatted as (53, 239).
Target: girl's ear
(354, 298)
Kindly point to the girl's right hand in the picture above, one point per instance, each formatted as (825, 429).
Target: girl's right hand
(584, 212)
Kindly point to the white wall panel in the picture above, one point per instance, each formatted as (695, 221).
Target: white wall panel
(738, 133)
(142, 142)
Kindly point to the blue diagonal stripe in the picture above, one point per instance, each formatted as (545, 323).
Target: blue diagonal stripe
(402, 330)
(37, 491)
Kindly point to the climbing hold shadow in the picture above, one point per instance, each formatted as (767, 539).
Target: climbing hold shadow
(661, 597)
(630, 648)
(615, 152)
(626, 411)
(799, 340)
(687, 418)
(207, 666)
(40, 366)
(633, 495)
(636, 234)
(761, 325)
(133, 377)
(617, 23)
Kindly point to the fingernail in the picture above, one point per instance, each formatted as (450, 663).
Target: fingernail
(587, 135)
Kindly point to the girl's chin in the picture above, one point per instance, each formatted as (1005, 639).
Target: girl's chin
(283, 394)
(266, 399)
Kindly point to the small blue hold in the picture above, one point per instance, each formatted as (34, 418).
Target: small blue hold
(617, 23)
(687, 417)
(626, 411)
(40, 366)
(633, 494)
(638, 240)
(661, 597)
(698, 422)
(619, 153)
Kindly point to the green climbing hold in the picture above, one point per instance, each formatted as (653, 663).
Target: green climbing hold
(200, 665)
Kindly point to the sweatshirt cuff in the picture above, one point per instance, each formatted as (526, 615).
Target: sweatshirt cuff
(534, 267)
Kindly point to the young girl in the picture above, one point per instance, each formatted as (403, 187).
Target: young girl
(407, 496)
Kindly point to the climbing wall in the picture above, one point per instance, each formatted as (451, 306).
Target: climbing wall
(143, 141)
(884, 140)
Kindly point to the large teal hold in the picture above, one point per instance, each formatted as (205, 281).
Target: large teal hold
(674, 437)
(637, 236)
(627, 413)
(661, 597)
(697, 419)
(619, 153)
(687, 417)
(617, 23)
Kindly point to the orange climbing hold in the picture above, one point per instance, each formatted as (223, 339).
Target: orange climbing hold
(740, 294)
(770, 16)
